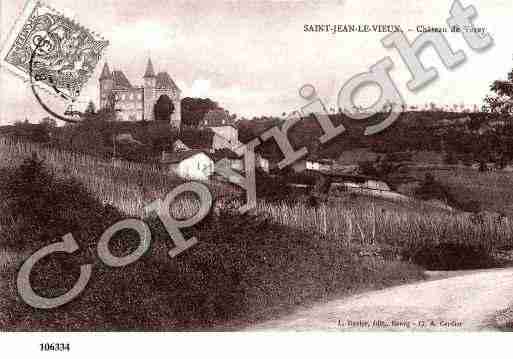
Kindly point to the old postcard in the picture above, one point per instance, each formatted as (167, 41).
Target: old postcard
(255, 166)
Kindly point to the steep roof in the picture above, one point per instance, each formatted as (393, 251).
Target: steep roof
(178, 146)
(106, 74)
(120, 80)
(221, 129)
(164, 81)
(225, 153)
(149, 70)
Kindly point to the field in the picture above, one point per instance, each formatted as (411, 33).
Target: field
(491, 191)
(127, 186)
(245, 268)
(352, 219)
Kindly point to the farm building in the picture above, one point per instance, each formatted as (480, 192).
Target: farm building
(225, 137)
(234, 161)
(311, 164)
(179, 146)
(368, 185)
(192, 164)
(262, 163)
(376, 185)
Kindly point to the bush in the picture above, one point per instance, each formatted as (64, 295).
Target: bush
(42, 208)
(432, 189)
(367, 168)
(471, 206)
(453, 256)
(382, 168)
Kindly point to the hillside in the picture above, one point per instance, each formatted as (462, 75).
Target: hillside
(243, 269)
(292, 251)
(414, 130)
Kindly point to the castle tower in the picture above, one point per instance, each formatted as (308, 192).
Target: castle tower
(106, 86)
(150, 81)
(115, 89)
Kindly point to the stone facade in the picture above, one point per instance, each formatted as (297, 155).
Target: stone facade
(137, 103)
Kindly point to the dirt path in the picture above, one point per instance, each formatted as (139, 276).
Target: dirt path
(463, 301)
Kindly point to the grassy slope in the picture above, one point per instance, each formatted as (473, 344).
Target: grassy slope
(244, 269)
(491, 190)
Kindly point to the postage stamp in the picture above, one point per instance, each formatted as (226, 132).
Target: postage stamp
(57, 52)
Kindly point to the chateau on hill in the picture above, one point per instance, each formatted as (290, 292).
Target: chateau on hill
(158, 99)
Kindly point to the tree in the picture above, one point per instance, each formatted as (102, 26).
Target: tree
(91, 108)
(49, 122)
(502, 101)
(30, 131)
(163, 109)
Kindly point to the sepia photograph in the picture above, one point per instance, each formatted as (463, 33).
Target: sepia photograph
(253, 171)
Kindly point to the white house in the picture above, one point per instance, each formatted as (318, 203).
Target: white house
(191, 165)
(230, 158)
(369, 185)
(310, 164)
(376, 185)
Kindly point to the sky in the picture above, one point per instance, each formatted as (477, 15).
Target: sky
(253, 56)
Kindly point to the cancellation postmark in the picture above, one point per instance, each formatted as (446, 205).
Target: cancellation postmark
(55, 51)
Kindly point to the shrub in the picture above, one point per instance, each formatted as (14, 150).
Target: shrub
(43, 208)
(382, 168)
(367, 168)
(432, 189)
(452, 256)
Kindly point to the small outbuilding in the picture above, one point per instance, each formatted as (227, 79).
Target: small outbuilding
(191, 165)
(225, 137)
(312, 164)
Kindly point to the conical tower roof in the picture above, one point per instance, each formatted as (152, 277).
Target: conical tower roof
(149, 70)
(106, 74)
